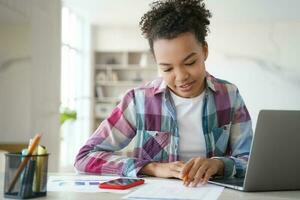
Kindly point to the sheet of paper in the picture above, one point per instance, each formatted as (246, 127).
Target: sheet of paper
(80, 183)
(174, 189)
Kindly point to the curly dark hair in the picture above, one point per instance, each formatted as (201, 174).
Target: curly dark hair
(168, 18)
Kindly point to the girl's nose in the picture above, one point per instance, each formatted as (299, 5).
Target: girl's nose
(181, 74)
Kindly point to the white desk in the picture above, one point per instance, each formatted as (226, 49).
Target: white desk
(227, 194)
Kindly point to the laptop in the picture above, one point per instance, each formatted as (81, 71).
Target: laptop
(274, 162)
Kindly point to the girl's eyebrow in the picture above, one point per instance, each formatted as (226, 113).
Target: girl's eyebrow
(186, 58)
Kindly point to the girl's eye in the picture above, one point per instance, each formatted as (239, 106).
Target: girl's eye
(167, 70)
(191, 63)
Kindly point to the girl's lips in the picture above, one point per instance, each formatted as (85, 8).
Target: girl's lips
(186, 87)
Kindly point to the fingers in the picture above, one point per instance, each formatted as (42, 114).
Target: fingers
(175, 174)
(200, 174)
(187, 167)
(176, 168)
(199, 164)
(191, 169)
(180, 164)
(208, 174)
(199, 170)
(196, 168)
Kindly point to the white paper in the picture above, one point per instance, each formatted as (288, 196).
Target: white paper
(174, 189)
(80, 183)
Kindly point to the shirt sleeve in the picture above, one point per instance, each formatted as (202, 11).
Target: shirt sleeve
(98, 155)
(235, 164)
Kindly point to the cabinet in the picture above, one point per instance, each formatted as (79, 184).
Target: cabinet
(115, 74)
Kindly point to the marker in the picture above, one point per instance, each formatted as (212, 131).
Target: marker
(39, 178)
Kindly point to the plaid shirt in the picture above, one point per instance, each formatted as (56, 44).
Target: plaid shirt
(148, 113)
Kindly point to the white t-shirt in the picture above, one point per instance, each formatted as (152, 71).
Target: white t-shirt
(189, 118)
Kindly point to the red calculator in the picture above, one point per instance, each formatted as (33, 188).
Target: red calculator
(121, 183)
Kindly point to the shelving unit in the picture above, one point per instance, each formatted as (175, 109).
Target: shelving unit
(116, 73)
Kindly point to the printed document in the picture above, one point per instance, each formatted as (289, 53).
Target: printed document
(174, 189)
(80, 183)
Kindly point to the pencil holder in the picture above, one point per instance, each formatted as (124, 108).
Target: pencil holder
(31, 182)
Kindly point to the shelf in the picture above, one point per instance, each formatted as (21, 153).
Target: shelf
(117, 72)
(102, 110)
(119, 83)
(124, 67)
(107, 100)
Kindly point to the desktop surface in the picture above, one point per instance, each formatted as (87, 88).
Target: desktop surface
(227, 194)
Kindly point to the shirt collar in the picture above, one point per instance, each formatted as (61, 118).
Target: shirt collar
(210, 82)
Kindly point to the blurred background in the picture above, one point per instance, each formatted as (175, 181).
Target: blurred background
(64, 65)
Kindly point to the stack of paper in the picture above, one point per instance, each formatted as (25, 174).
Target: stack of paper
(174, 189)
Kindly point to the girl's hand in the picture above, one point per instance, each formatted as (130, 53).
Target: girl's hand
(200, 169)
(163, 170)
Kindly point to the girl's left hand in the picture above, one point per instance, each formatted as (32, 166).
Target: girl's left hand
(200, 169)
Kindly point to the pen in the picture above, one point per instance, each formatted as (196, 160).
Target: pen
(185, 179)
(31, 149)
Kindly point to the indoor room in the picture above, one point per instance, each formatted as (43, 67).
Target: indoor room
(67, 66)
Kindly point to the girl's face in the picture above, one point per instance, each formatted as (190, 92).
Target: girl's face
(181, 62)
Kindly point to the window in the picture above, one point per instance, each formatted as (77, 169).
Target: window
(72, 56)
(75, 85)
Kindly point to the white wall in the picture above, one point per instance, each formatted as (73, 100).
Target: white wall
(30, 88)
(118, 38)
(46, 51)
(261, 58)
(15, 76)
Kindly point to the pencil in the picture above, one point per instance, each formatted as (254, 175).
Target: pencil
(31, 149)
(185, 178)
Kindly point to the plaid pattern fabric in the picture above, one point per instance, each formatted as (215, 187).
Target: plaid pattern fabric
(148, 113)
